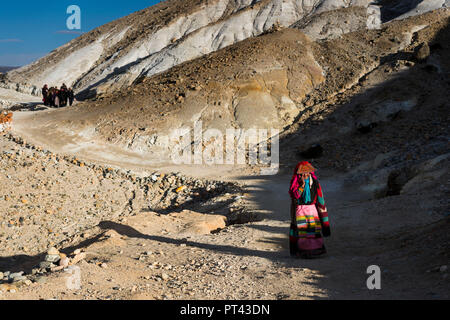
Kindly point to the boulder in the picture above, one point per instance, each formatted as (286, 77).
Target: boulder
(423, 52)
(198, 223)
(397, 179)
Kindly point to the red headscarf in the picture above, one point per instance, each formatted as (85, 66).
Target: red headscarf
(293, 189)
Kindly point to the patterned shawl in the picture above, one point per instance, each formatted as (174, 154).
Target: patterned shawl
(293, 189)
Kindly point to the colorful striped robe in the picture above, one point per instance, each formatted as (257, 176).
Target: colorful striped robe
(318, 200)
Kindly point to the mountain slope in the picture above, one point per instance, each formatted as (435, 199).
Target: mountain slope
(278, 80)
(153, 40)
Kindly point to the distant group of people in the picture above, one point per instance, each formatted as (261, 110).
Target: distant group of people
(58, 98)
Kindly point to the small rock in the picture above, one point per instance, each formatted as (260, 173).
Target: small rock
(78, 258)
(19, 278)
(46, 265)
(165, 276)
(52, 258)
(56, 269)
(41, 280)
(15, 275)
(76, 252)
(104, 265)
(35, 271)
(443, 268)
(8, 288)
(53, 251)
(64, 262)
(422, 52)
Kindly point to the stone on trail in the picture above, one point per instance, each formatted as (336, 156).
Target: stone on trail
(165, 276)
(56, 269)
(64, 262)
(53, 251)
(20, 279)
(52, 258)
(46, 265)
(422, 52)
(197, 223)
(8, 288)
(41, 280)
(16, 276)
(78, 258)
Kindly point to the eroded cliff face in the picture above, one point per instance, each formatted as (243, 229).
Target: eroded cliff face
(153, 40)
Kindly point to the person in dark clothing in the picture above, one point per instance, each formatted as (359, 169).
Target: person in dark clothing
(51, 97)
(71, 96)
(63, 96)
(45, 95)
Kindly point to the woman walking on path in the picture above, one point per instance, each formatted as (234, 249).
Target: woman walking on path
(309, 217)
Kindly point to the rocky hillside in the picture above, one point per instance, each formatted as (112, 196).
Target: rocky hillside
(153, 40)
(277, 80)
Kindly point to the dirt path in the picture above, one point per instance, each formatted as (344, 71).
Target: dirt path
(39, 129)
(364, 232)
(147, 257)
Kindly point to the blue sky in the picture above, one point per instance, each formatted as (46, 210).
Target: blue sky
(31, 29)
